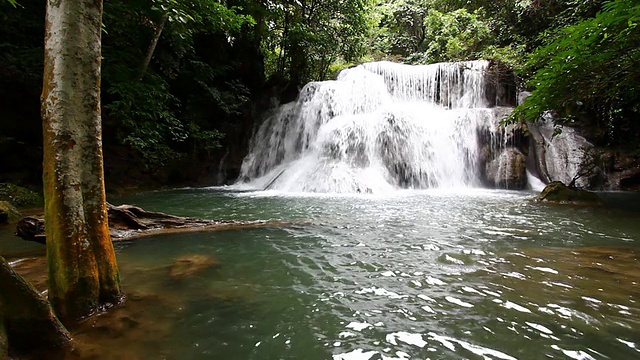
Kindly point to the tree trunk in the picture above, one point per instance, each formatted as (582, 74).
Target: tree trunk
(4, 341)
(83, 273)
(27, 322)
(152, 47)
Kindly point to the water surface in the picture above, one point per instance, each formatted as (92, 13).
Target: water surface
(475, 274)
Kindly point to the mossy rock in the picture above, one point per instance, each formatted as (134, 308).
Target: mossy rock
(18, 196)
(8, 212)
(559, 193)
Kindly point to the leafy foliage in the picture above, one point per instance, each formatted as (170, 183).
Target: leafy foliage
(588, 72)
(458, 35)
(143, 105)
(427, 31)
(303, 38)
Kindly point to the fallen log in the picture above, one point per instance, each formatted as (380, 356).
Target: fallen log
(131, 222)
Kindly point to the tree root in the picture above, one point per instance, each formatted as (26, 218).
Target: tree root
(131, 222)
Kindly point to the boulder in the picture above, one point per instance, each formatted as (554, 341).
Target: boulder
(8, 213)
(559, 193)
(189, 265)
(561, 153)
(508, 170)
(621, 170)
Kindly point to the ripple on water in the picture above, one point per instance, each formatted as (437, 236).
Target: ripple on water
(418, 340)
(410, 275)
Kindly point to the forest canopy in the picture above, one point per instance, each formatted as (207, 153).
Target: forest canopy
(184, 81)
(587, 73)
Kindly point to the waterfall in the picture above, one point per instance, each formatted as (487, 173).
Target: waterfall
(383, 126)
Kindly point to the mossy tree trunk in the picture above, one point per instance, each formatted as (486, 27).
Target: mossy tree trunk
(83, 273)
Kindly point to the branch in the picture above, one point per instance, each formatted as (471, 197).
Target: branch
(152, 46)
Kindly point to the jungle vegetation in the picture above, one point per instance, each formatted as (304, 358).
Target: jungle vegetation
(169, 87)
(183, 82)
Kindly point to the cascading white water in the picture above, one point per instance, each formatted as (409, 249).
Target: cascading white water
(379, 126)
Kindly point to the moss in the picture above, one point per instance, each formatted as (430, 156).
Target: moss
(18, 196)
(8, 213)
(558, 193)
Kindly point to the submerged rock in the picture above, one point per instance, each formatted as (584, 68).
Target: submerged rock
(145, 321)
(189, 265)
(559, 193)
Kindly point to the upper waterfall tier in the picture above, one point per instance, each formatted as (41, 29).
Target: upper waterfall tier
(381, 126)
(452, 85)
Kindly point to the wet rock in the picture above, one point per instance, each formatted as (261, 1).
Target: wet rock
(508, 170)
(558, 193)
(621, 170)
(8, 213)
(32, 229)
(189, 265)
(562, 153)
(629, 179)
(501, 86)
